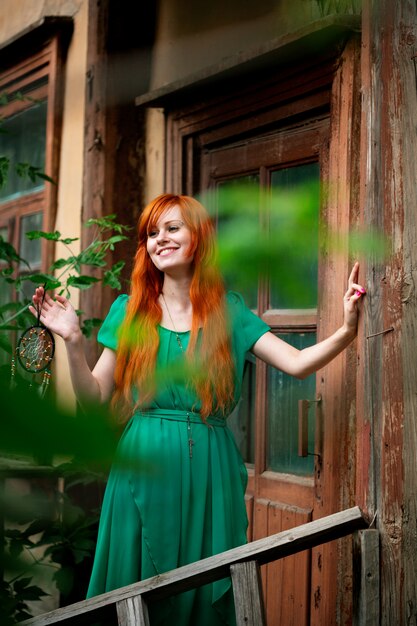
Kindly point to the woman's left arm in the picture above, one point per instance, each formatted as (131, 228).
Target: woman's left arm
(302, 363)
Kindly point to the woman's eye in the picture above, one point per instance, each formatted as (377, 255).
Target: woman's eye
(152, 233)
(173, 229)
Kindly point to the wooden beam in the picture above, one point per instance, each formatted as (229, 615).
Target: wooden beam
(247, 591)
(92, 301)
(388, 188)
(132, 612)
(366, 580)
(213, 568)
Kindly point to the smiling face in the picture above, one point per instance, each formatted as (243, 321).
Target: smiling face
(169, 242)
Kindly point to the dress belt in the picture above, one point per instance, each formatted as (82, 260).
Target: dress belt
(179, 415)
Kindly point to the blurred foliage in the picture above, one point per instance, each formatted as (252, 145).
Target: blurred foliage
(15, 272)
(276, 235)
(45, 531)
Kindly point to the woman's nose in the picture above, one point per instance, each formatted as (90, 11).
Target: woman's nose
(162, 236)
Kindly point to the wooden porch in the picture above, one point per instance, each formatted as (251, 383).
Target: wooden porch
(127, 606)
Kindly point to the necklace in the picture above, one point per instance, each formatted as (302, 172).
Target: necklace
(181, 347)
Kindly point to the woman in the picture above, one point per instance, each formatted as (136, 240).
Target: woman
(185, 499)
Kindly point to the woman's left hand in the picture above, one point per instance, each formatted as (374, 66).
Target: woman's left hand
(353, 294)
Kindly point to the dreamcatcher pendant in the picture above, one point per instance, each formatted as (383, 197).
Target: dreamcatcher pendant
(34, 353)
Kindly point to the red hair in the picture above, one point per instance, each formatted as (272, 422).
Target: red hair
(136, 360)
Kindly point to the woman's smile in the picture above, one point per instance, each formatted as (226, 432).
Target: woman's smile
(169, 242)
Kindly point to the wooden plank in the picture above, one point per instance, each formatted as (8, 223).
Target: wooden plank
(132, 612)
(366, 578)
(388, 188)
(216, 567)
(334, 486)
(273, 588)
(260, 529)
(94, 301)
(247, 591)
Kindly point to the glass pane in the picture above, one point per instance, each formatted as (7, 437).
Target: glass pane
(242, 420)
(23, 140)
(237, 225)
(294, 219)
(284, 391)
(30, 250)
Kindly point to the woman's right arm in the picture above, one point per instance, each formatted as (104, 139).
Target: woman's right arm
(59, 316)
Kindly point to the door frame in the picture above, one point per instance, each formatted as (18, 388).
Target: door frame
(328, 87)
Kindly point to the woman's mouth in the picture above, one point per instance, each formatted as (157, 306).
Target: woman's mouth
(166, 251)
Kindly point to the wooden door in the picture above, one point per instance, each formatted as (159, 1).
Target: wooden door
(281, 483)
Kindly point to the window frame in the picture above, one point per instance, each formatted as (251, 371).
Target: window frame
(16, 74)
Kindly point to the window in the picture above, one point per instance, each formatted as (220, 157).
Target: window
(29, 140)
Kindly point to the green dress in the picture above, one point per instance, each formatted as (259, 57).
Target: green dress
(164, 508)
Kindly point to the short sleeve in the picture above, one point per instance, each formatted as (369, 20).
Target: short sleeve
(248, 326)
(108, 333)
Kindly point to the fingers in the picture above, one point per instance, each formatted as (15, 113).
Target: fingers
(44, 300)
(355, 291)
(353, 278)
(62, 301)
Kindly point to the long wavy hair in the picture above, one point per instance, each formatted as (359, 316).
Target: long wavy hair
(138, 338)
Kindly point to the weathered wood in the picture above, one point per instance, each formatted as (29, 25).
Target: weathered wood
(388, 182)
(247, 592)
(132, 612)
(93, 301)
(334, 478)
(215, 567)
(366, 578)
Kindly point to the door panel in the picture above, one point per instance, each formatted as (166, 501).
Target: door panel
(280, 492)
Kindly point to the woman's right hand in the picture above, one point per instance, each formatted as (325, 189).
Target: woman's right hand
(58, 314)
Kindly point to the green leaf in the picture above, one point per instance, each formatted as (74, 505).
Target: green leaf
(36, 527)
(41, 279)
(116, 239)
(31, 593)
(64, 579)
(21, 584)
(7, 271)
(95, 259)
(26, 170)
(16, 548)
(60, 263)
(111, 278)
(107, 221)
(9, 254)
(4, 170)
(89, 325)
(69, 240)
(81, 282)
(44, 176)
(37, 234)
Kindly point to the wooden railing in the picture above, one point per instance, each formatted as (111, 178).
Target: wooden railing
(128, 606)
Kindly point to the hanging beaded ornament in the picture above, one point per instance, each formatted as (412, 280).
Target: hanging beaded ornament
(35, 350)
